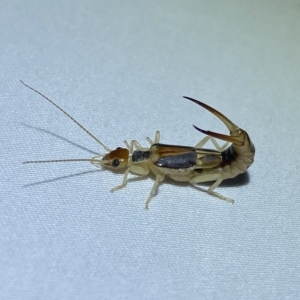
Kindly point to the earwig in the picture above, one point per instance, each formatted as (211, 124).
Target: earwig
(180, 163)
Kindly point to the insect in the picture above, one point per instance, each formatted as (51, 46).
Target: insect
(180, 163)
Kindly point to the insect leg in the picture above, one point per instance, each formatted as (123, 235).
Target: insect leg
(156, 138)
(218, 178)
(133, 144)
(139, 170)
(213, 140)
(124, 182)
(210, 191)
(159, 178)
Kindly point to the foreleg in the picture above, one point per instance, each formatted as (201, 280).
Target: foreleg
(142, 171)
(133, 144)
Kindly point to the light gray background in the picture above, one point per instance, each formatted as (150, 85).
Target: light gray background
(121, 68)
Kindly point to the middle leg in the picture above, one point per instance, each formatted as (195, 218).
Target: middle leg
(158, 178)
(156, 138)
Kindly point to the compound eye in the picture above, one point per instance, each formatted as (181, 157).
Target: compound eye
(115, 163)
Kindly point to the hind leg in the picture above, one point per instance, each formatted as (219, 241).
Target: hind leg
(218, 178)
(213, 140)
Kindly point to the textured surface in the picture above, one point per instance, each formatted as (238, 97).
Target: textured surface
(120, 68)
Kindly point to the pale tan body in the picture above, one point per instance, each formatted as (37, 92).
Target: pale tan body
(190, 175)
(210, 165)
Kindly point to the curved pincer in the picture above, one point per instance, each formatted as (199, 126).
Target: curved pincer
(236, 134)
